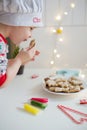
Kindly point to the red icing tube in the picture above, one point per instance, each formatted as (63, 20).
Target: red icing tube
(83, 101)
(43, 100)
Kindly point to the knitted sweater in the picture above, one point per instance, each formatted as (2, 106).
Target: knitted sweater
(3, 59)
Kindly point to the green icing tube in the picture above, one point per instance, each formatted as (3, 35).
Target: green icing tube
(39, 104)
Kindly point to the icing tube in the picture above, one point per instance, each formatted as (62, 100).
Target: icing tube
(43, 100)
(29, 108)
(39, 104)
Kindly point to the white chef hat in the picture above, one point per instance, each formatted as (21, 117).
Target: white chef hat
(21, 12)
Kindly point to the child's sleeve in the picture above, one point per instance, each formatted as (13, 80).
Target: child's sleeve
(2, 79)
(3, 59)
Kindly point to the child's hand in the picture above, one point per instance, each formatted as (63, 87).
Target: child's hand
(36, 54)
(27, 55)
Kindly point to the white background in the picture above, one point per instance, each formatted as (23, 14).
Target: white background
(73, 49)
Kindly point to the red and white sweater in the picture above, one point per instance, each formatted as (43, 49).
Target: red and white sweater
(3, 59)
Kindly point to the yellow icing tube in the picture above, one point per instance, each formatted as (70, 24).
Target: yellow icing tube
(31, 109)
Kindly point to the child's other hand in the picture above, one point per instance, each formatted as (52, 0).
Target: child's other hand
(37, 53)
(27, 55)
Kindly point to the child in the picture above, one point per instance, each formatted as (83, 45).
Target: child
(17, 20)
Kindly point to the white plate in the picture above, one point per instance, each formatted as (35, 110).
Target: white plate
(61, 93)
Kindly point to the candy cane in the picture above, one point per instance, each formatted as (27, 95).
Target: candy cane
(64, 108)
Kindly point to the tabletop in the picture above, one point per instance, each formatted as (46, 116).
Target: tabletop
(24, 87)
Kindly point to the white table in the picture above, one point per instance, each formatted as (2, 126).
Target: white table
(22, 88)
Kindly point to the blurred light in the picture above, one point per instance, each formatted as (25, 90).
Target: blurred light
(82, 75)
(60, 40)
(72, 5)
(58, 55)
(58, 17)
(61, 28)
(54, 30)
(52, 62)
(66, 13)
(55, 51)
